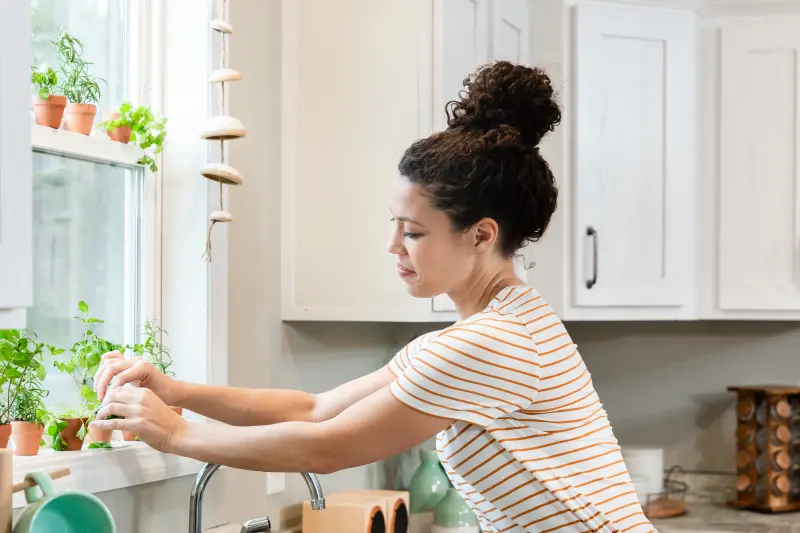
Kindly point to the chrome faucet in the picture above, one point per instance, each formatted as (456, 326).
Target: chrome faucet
(256, 525)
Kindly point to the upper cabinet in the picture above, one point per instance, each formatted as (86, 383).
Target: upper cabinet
(634, 107)
(752, 229)
(676, 158)
(16, 262)
(361, 81)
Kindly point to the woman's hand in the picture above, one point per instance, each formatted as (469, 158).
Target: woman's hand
(118, 371)
(145, 415)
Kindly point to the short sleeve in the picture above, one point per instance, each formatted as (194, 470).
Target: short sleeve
(470, 372)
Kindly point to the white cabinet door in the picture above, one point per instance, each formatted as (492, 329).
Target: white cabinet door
(16, 264)
(356, 92)
(634, 80)
(758, 267)
(510, 40)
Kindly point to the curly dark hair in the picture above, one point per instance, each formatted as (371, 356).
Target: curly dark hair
(486, 163)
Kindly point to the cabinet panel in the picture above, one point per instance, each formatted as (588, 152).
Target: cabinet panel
(634, 156)
(759, 202)
(351, 104)
(16, 264)
(510, 31)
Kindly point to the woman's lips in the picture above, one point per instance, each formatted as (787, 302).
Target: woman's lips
(403, 271)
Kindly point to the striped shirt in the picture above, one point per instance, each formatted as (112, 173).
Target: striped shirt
(531, 447)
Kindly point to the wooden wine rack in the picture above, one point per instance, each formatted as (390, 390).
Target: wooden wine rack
(767, 448)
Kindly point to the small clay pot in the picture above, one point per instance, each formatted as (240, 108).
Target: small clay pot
(128, 436)
(49, 112)
(79, 118)
(5, 434)
(100, 435)
(27, 437)
(121, 134)
(178, 410)
(70, 433)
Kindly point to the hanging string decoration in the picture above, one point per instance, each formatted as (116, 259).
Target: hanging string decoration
(222, 128)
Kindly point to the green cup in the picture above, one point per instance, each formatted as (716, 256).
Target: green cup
(65, 512)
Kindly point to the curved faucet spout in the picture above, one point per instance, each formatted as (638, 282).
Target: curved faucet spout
(196, 497)
(315, 490)
(204, 476)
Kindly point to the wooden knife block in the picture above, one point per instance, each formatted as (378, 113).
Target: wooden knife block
(346, 515)
(395, 505)
(767, 448)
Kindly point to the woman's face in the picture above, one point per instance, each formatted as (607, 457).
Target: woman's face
(432, 258)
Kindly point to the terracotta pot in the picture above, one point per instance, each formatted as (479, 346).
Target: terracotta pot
(128, 435)
(5, 433)
(79, 118)
(49, 112)
(27, 437)
(100, 435)
(178, 410)
(70, 433)
(121, 134)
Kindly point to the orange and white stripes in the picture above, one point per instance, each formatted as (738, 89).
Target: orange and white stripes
(531, 448)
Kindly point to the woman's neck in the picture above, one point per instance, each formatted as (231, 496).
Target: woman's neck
(474, 297)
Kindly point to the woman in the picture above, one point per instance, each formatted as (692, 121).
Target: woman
(521, 431)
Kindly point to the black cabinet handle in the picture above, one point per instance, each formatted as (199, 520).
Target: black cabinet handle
(591, 232)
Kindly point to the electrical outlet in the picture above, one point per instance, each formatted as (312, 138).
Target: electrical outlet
(276, 483)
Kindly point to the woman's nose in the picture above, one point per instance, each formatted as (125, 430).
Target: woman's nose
(395, 245)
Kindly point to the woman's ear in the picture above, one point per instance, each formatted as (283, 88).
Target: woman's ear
(485, 233)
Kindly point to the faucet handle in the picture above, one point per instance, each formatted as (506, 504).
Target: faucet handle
(257, 525)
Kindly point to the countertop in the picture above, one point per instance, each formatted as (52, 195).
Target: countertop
(718, 517)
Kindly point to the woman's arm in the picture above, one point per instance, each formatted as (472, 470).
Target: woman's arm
(377, 427)
(260, 407)
(236, 406)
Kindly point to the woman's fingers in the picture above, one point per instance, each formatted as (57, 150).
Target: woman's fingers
(119, 409)
(107, 359)
(111, 370)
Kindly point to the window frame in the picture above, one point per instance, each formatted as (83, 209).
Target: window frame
(194, 308)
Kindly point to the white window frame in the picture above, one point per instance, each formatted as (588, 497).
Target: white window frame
(184, 294)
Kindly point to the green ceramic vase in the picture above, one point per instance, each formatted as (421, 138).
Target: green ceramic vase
(453, 514)
(428, 484)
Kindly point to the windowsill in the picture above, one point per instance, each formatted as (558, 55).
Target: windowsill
(95, 147)
(98, 470)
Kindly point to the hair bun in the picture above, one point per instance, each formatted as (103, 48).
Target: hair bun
(506, 96)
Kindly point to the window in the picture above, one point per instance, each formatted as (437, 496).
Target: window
(86, 227)
(103, 26)
(114, 233)
(87, 213)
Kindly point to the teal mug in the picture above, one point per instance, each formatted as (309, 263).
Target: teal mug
(65, 512)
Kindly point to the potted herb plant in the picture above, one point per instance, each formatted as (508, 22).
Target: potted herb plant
(155, 351)
(22, 371)
(79, 86)
(141, 126)
(27, 416)
(82, 364)
(67, 431)
(48, 106)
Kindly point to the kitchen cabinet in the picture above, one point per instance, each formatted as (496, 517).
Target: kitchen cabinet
(16, 260)
(361, 81)
(675, 159)
(621, 246)
(752, 235)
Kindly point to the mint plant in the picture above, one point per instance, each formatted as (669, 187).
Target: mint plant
(147, 130)
(45, 79)
(84, 359)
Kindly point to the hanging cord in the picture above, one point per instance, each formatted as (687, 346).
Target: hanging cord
(207, 254)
